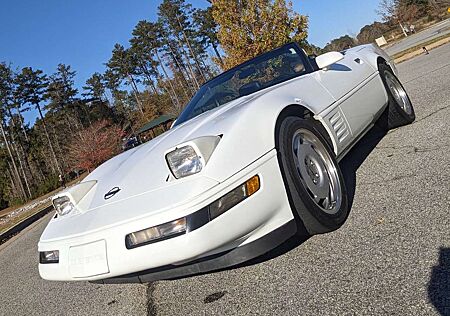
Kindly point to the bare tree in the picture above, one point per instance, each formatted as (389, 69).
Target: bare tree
(397, 11)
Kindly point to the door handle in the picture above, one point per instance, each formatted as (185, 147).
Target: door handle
(359, 61)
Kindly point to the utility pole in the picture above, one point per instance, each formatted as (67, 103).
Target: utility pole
(403, 29)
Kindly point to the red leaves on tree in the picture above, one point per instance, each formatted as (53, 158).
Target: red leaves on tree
(94, 145)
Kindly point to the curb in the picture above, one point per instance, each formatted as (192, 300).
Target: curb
(25, 223)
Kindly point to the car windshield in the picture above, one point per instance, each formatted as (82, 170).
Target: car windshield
(259, 73)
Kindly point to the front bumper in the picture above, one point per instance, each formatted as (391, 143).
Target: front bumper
(214, 262)
(103, 254)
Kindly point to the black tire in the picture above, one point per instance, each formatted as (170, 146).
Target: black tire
(305, 208)
(396, 115)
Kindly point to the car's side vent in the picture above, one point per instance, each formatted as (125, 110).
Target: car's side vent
(339, 126)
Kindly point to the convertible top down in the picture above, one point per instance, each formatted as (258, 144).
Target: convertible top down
(253, 157)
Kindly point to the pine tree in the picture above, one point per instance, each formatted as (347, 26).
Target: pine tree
(95, 87)
(123, 66)
(32, 87)
(6, 95)
(207, 30)
(174, 17)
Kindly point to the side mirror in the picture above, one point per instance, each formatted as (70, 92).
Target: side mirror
(327, 59)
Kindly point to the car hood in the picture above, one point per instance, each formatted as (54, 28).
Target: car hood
(144, 169)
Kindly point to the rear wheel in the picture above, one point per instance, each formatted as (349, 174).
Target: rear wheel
(312, 176)
(400, 109)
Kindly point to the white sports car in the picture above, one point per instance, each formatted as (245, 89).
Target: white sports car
(253, 156)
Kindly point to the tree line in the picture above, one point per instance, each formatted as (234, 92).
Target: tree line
(156, 72)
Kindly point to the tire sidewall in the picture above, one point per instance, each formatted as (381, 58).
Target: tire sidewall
(318, 221)
(408, 118)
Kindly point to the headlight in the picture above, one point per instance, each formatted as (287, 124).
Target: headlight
(51, 256)
(191, 157)
(65, 202)
(184, 161)
(156, 233)
(63, 205)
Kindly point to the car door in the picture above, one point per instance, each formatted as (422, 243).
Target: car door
(348, 81)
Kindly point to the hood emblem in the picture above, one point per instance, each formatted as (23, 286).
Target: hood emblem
(111, 193)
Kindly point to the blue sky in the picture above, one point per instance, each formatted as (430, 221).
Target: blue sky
(82, 33)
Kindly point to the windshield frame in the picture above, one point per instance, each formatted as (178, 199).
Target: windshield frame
(184, 116)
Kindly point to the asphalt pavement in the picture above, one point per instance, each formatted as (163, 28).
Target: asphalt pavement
(412, 40)
(391, 257)
(23, 292)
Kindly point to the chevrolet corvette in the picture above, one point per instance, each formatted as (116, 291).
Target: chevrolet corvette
(252, 158)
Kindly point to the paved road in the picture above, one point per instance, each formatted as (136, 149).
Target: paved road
(392, 256)
(436, 30)
(23, 292)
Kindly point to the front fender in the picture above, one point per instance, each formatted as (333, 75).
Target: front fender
(371, 54)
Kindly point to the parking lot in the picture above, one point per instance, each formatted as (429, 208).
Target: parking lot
(391, 257)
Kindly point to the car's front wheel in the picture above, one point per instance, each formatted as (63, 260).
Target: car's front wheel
(312, 176)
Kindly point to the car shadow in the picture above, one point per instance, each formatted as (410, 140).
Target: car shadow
(358, 154)
(439, 285)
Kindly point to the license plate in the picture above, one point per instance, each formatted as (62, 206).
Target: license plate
(88, 260)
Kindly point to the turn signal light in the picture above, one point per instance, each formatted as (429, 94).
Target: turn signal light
(234, 197)
(252, 185)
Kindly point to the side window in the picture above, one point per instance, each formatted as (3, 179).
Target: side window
(287, 65)
(292, 63)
